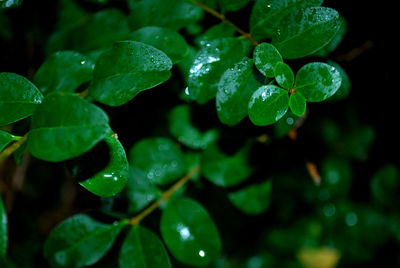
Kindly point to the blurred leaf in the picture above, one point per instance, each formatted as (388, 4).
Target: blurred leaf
(254, 199)
(224, 170)
(189, 232)
(305, 31)
(10, 3)
(297, 103)
(113, 178)
(336, 176)
(18, 98)
(284, 75)
(345, 86)
(333, 44)
(125, 70)
(181, 127)
(385, 185)
(266, 15)
(173, 14)
(168, 41)
(63, 71)
(267, 105)
(235, 88)
(266, 57)
(80, 241)
(3, 230)
(70, 14)
(317, 81)
(142, 248)
(159, 158)
(319, 257)
(65, 126)
(215, 32)
(140, 191)
(285, 124)
(5, 139)
(229, 5)
(209, 65)
(358, 142)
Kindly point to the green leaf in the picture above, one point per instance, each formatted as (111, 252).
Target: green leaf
(235, 88)
(285, 124)
(10, 4)
(336, 40)
(267, 105)
(215, 32)
(284, 75)
(254, 199)
(173, 14)
(5, 139)
(168, 41)
(125, 70)
(18, 98)
(297, 103)
(359, 141)
(317, 81)
(3, 230)
(210, 63)
(224, 170)
(267, 15)
(189, 232)
(113, 178)
(229, 5)
(345, 86)
(336, 175)
(385, 185)
(80, 241)
(63, 71)
(140, 191)
(181, 127)
(304, 32)
(142, 248)
(65, 126)
(160, 158)
(266, 56)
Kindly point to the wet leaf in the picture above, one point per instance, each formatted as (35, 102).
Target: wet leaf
(126, 69)
(113, 178)
(65, 126)
(18, 98)
(284, 75)
(189, 232)
(305, 31)
(80, 241)
(267, 105)
(168, 41)
(317, 81)
(266, 56)
(142, 248)
(254, 199)
(235, 88)
(181, 127)
(215, 32)
(336, 40)
(159, 158)
(297, 103)
(63, 71)
(345, 86)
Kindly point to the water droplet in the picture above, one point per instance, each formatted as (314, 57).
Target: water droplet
(83, 62)
(187, 91)
(290, 121)
(202, 253)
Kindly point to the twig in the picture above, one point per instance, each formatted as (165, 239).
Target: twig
(12, 148)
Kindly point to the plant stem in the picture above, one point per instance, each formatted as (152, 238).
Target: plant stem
(224, 19)
(165, 196)
(12, 148)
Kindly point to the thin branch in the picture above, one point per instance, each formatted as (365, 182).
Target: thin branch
(12, 148)
(165, 196)
(224, 19)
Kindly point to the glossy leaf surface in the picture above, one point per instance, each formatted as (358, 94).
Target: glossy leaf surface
(210, 63)
(127, 69)
(5, 139)
(267, 15)
(335, 41)
(142, 248)
(235, 88)
(297, 103)
(266, 56)
(113, 178)
(79, 241)
(267, 105)
(284, 75)
(64, 71)
(345, 86)
(254, 199)
(189, 232)
(173, 14)
(224, 170)
(305, 31)
(181, 127)
(18, 98)
(3, 229)
(215, 32)
(317, 81)
(140, 191)
(160, 159)
(65, 126)
(168, 41)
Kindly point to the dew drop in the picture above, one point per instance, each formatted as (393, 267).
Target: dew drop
(202, 253)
